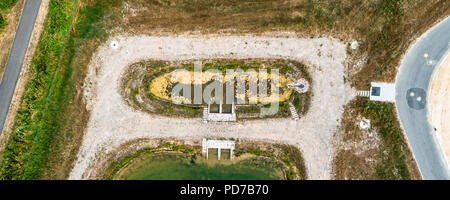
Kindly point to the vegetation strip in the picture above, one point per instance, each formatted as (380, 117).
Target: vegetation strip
(49, 90)
(37, 118)
(5, 5)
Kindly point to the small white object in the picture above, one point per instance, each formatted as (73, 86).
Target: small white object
(419, 98)
(364, 124)
(412, 94)
(425, 55)
(354, 45)
(114, 44)
(430, 62)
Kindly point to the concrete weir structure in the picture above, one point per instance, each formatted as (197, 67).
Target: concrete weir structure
(219, 145)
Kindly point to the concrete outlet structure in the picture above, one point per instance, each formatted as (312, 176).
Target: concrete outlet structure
(219, 145)
(382, 92)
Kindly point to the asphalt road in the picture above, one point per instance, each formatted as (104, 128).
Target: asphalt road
(411, 85)
(16, 57)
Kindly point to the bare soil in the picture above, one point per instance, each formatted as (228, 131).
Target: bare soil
(24, 74)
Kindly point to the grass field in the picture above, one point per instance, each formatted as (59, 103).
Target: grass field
(10, 12)
(2, 23)
(49, 125)
(41, 124)
(389, 159)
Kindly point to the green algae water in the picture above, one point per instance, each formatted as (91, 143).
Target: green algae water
(163, 166)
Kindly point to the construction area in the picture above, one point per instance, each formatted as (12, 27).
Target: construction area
(98, 81)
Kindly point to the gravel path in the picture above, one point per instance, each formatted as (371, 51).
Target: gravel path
(112, 122)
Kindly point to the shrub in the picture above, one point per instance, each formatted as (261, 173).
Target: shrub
(2, 23)
(7, 4)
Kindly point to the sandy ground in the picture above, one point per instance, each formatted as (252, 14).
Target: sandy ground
(439, 103)
(113, 123)
(24, 74)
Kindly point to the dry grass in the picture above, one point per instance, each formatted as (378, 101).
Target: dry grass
(11, 17)
(378, 153)
(387, 46)
(66, 144)
(384, 28)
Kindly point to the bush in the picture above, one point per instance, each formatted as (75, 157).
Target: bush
(2, 23)
(7, 4)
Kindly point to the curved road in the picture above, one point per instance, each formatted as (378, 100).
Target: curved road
(16, 57)
(411, 85)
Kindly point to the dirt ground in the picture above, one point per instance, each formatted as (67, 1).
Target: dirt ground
(113, 123)
(439, 103)
(24, 73)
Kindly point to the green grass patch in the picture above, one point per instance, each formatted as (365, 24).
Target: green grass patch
(2, 23)
(7, 4)
(37, 119)
(49, 90)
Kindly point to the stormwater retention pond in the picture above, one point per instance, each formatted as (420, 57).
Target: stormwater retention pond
(178, 166)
